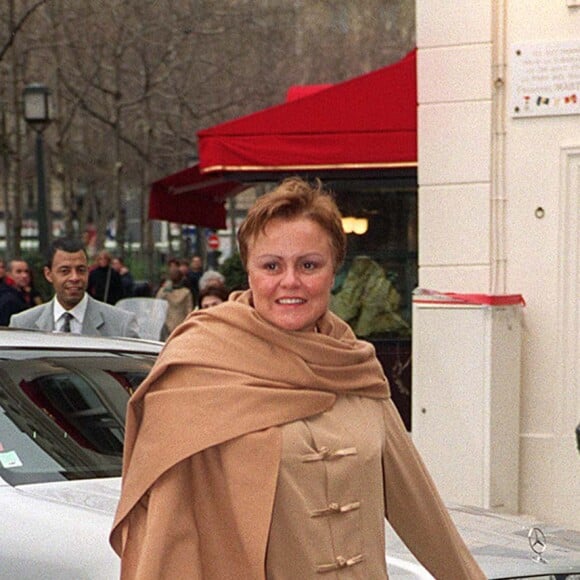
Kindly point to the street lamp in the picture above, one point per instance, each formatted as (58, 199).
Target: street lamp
(37, 115)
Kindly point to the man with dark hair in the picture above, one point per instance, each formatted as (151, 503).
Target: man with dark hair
(194, 274)
(13, 297)
(72, 309)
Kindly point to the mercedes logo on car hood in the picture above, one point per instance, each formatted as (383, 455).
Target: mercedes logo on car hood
(537, 541)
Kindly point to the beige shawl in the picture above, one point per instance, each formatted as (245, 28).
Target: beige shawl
(202, 448)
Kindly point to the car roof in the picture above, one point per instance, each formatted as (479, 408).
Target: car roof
(16, 338)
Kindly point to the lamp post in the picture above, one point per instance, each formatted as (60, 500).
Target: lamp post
(37, 115)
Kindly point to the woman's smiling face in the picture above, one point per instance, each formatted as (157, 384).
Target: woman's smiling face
(291, 273)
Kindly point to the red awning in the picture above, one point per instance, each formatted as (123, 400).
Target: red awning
(301, 91)
(368, 122)
(187, 197)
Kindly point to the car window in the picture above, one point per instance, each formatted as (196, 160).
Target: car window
(62, 414)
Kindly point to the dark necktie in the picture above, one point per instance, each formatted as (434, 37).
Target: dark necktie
(67, 316)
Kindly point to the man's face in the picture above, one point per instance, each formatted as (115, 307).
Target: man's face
(196, 263)
(69, 275)
(174, 272)
(103, 259)
(20, 273)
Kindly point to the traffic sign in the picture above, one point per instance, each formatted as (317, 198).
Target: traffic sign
(213, 242)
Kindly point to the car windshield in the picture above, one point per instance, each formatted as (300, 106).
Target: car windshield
(62, 413)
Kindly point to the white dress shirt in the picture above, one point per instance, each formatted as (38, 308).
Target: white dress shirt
(78, 315)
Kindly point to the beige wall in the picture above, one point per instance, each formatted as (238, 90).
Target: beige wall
(482, 174)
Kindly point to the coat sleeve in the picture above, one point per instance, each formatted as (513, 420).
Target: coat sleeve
(415, 510)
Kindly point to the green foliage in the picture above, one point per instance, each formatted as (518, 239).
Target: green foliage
(142, 268)
(233, 270)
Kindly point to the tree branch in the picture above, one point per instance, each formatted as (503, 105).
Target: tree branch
(19, 25)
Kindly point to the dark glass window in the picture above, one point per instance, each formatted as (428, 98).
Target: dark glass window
(62, 414)
(373, 291)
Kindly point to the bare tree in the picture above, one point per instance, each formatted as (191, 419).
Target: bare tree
(134, 80)
(17, 23)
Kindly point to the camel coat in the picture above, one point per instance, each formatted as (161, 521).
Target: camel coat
(204, 441)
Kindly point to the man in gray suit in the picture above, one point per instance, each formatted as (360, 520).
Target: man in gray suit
(72, 309)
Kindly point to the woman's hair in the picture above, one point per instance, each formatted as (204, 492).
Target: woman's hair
(211, 278)
(295, 198)
(217, 291)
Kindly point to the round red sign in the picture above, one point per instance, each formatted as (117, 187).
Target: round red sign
(213, 241)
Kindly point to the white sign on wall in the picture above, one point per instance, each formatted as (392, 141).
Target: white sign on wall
(545, 79)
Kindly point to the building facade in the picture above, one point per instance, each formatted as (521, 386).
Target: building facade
(499, 209)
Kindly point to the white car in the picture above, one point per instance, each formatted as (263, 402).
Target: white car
(505, 546)
(62, 410)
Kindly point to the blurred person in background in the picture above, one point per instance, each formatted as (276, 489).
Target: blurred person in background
(194, 273)
(33, 295)
(184, 267)
(16, 294)
(212, 296)
(2, 271)
(212, 278)
(104, 282)
(177, 293)
(127, 281)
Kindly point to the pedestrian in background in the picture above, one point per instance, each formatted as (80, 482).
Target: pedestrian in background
(127, 282)
(212, 278)
(2, 271)
(264, 443)
(194, 274)
(20, 277)
(16, 293)
(33, 296)
(72, 309)
(184, 267)
(177, 294)
(212, 296)
(104, 282)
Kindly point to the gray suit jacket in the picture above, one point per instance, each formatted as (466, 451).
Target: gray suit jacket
(100, 319)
